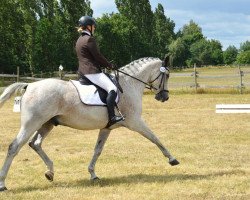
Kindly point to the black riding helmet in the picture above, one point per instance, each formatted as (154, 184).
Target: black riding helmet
(84, 21)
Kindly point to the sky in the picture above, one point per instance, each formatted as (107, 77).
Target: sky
(225, 20)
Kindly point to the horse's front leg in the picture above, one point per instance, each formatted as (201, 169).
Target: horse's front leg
(140, 127)
(102, 138)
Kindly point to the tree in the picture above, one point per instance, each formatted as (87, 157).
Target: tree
(245, 46)
(191, 33)
(12, 38)
(230, 55)
(179, 51)
(243, 57)
(56, 35)
(117, 40)
(200, 53)
(206, 52)
(216, 52)
(30, 10)
(140, 14)
(164, 31)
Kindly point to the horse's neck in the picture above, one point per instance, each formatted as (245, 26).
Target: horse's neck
(142, 70)
(139, 74)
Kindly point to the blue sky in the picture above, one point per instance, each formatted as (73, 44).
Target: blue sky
(225, 20)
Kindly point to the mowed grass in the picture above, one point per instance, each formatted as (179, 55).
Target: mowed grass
(213, 150)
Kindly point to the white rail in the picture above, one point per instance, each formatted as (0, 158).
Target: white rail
(233, 108)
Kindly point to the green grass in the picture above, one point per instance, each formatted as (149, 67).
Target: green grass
(213, 150)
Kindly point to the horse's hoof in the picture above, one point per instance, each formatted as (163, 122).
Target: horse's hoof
(3, 189)
(95, 179)
(174, 162)
(49, 175)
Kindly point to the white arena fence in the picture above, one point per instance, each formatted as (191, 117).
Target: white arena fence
(232, 108)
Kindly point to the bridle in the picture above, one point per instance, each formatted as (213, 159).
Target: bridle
(163, 75)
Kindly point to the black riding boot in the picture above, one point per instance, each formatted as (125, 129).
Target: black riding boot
(111, 109)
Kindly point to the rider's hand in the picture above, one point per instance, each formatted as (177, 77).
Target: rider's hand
(111, 67)
(114, 67)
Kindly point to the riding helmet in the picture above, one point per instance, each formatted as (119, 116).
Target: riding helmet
(86, 20)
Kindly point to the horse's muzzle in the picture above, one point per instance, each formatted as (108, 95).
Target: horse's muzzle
(162, 96)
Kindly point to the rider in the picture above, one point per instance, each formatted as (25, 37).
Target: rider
(90, 63)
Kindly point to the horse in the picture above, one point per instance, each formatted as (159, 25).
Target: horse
(52, 102)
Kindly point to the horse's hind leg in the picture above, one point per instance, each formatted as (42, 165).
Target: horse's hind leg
(22, 138)
(36, 144)
(102, 138)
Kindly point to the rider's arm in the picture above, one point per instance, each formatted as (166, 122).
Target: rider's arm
(92, 46)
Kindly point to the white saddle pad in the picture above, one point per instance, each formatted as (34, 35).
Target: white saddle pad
(88, 94)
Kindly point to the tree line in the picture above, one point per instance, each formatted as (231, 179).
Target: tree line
(39, 35)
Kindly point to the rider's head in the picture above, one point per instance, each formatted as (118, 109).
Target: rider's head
(87, 23)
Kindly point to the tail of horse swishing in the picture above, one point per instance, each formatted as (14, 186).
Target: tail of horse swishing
(53, 102)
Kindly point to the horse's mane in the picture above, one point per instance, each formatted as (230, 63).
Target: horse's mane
(137, 64)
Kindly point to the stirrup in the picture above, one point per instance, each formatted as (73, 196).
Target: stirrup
(114, 120)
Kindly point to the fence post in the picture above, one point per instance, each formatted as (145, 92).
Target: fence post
(18, 74)
(241, 79)
(61, 72)
(195, 78)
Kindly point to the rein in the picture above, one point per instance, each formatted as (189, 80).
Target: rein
(149, 86)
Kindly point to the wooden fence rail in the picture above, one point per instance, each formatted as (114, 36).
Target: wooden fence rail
(238, 79)
(195, 79)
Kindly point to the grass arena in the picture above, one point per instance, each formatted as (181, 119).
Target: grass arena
(213, 150)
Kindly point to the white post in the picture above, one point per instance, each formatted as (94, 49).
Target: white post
(60, 71)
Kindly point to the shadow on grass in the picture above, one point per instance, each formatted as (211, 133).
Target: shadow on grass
(129, 179)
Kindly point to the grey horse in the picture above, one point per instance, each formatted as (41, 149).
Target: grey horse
(53, 102)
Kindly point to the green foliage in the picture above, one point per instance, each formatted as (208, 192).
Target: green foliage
(245, 46)
(216, 52)
(179, 51)
(191, 33)
(40, 35)
(12, 53)
(117, 39)
(230, 54)
(243, 57)
(164, 31)
(142, 18)
(206, 52)
(192, 47)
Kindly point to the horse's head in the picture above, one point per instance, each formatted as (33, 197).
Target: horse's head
(159, 81)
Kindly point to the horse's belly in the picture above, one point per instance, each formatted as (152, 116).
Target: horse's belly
(89, 119)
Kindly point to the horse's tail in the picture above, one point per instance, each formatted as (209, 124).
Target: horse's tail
(9, 91)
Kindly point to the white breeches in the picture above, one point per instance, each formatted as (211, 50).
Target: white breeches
(102, 81)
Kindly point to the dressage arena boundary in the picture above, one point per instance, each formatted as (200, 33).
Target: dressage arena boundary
(233, 108)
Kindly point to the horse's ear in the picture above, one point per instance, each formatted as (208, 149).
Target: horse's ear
(166, 61)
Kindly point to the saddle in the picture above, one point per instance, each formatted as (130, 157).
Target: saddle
(91, 94)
